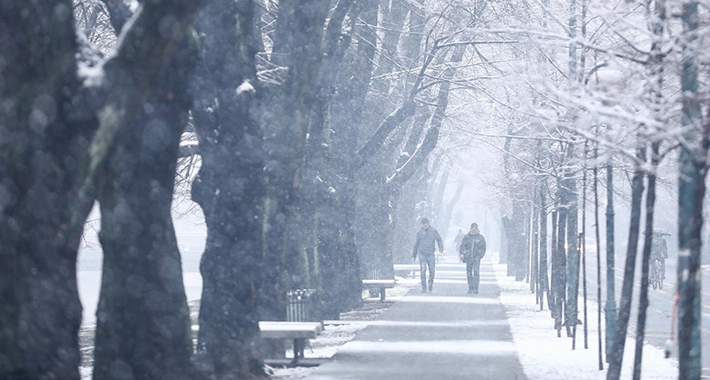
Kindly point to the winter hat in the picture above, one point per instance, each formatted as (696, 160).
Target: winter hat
(425, 220)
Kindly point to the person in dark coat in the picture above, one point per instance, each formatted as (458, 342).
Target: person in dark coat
(659, 251)
(472, 250)
(424, 248)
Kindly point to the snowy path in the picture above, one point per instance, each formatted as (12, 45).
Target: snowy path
(441, 335)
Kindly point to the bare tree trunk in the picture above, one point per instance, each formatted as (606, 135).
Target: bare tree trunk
(544, 286)
(610, 306)
(630, 266)
(645, 260)
(345, 113)
(393, 20)
(657, 21)
(40, 163)
(143, 324)
(570, 189)
(535, 269)
(691, 193)
(552, 299)
(583, 245)
(229, 188)
(298, 45)
(58, 176)
(598, 248)
(560, 267)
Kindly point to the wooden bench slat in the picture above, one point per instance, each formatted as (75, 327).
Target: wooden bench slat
(282, 330)
(406, 267)
(290, 330)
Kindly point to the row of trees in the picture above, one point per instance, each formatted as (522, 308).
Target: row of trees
(612, 89)
(313, 121)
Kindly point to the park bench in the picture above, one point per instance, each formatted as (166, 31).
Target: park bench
(299, 332)
(380, 285)
(377, 284)
(302, 322)
(410, 269)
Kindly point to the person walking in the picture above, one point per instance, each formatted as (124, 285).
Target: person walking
(472, 250)
(659, 250)
(424, 248)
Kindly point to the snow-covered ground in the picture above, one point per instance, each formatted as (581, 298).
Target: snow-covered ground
(541, 353)
(545, 356)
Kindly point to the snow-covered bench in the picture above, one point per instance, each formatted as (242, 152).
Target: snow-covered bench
(298, 331)
(382, 285)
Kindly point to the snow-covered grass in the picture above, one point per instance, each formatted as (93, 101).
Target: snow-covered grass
(545, 356)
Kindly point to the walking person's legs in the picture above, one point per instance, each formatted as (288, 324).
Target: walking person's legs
(469, 276)
(476, 274)
(431, 261)
(422, 271)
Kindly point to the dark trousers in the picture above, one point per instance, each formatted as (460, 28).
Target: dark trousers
(430, 261)
(475, 267)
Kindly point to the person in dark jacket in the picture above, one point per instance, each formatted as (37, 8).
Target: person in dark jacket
(659, 251)
(472, 250)
(424, 248)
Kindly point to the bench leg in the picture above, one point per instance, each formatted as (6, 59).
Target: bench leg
(382, 294)
(297, 350)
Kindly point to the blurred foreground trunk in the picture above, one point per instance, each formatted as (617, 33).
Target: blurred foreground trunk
(46, 128)
(143, 324)
(229, 188)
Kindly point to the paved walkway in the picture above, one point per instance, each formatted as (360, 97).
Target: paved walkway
(443, 335)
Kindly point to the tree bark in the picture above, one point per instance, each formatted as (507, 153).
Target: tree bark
(544, 283)
(571, 204)
(552, 296)
(392, 23)
(691, 193)
(646, 260)
(610, 307)
(229, 188)
(597, 240)
(48, 207)
(143, 324)
(630, 265)
(658, 19)
(559, 270)
(298, 45)
(46, 131)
